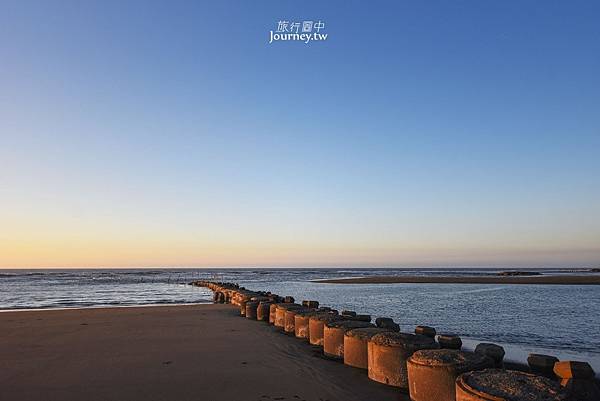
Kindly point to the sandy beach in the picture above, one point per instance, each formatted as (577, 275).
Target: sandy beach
(546, 280)
(198, 352)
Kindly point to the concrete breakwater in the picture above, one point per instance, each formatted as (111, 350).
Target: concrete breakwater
(427, 365)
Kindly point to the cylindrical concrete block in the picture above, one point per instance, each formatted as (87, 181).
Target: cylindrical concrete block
(241, 298)
(251, 307)
(260, 298)
(316, 326)
(280, 314)
(449, 341)
(510, 385)
(333, 336)
(272, 313)
(242, 305)
(542, 365)
(574, 370)
(263, 310)
(301, 322)
(382, 321)
(275, 298)
(361, 318)
(426, 331)
(432, 373)
(577, 380)
(245, 297)
(355, 345)
(493, 351)
(387, 355)
(290, 319)
(310, 304)
(387, 323)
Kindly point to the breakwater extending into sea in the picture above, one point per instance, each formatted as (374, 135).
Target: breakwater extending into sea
(561, 319)
(425, 363)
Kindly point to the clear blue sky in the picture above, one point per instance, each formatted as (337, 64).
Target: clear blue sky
(419, 133)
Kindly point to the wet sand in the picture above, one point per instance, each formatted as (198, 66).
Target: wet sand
(592, 279)
(198, 352)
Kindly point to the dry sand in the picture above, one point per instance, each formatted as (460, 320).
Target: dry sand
(199, 352)
(592, 279)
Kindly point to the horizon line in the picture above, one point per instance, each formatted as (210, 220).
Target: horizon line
(513, 267)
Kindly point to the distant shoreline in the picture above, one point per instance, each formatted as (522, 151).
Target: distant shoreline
(541, 279)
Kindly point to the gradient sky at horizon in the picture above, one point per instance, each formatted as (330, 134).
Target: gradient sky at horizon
(139, 133)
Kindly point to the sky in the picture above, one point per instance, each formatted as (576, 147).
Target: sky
(172, 133)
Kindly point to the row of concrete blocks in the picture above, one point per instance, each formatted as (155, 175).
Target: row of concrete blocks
(416, 363)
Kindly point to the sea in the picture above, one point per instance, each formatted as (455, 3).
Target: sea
(560, 320)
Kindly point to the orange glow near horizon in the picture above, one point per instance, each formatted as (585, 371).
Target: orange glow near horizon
(45, 238)
(75, 253)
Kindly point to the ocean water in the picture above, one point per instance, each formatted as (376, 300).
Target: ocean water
(562, 320)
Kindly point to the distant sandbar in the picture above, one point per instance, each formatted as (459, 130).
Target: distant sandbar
(591, 279)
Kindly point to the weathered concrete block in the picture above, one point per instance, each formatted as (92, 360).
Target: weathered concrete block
(348, 313)
(449, 341)
(333, 336)
(310, 304)
(280, 314)
(316, 327)
(432, 373)
(251, 309)
(387, 323)
(509, 385)
(290, 319)
(272, 313)
(387, 355)
(301, 323)
(355, 345)
(573, 370)
(242, 304)
(360, 318)
(541, 364)
(577, 380)
(263, 311)
(425, 331)
(493, 351)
